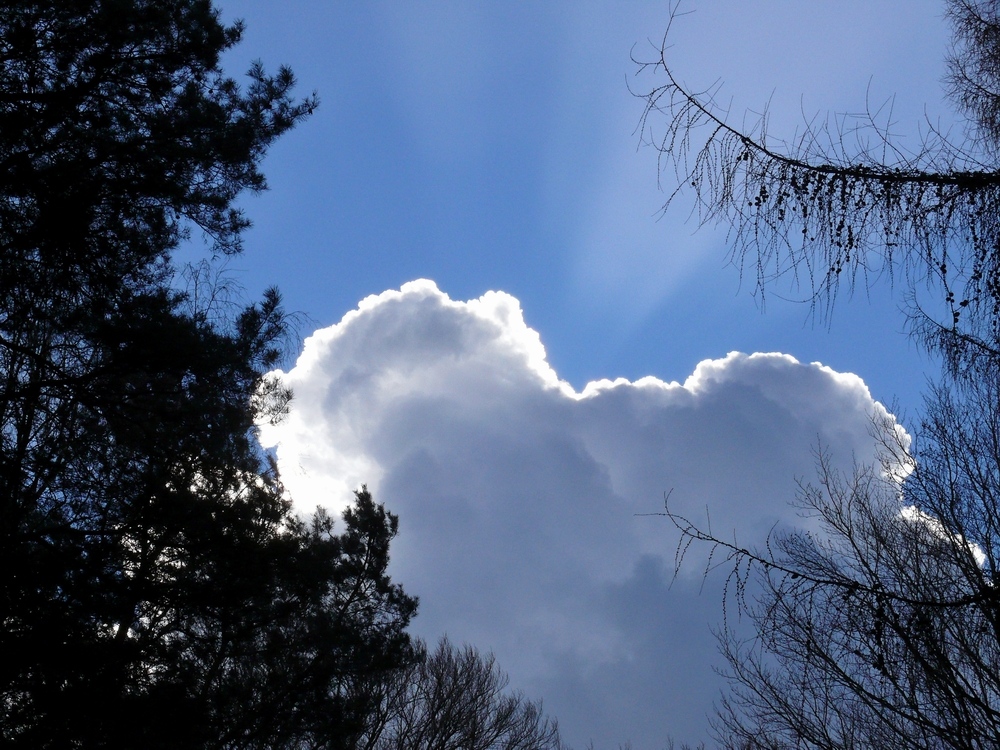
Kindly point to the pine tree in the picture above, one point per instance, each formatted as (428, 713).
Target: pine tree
(158, 590)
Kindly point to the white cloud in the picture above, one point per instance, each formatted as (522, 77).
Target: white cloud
(518, 496)
(913, 514)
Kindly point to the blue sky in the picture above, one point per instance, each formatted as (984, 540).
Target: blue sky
(494, 147)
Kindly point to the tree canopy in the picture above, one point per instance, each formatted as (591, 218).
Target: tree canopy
(456, 698)
(158, 590)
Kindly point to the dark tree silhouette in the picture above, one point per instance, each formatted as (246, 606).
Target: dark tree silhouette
(456, 698)
(880, 626)
(844, 203)
(157, 589)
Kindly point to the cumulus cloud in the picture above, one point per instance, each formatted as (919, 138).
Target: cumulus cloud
(518, 496)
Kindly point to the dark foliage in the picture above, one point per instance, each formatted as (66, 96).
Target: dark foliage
(157, 590)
